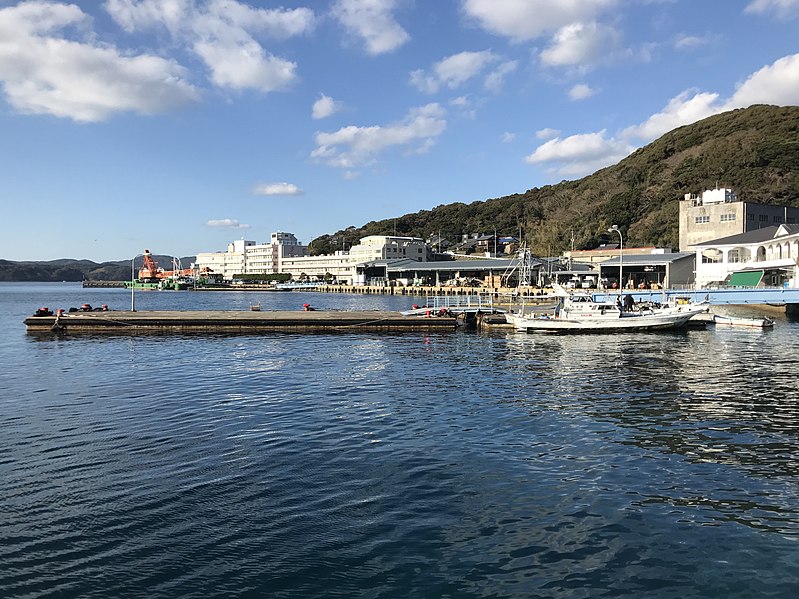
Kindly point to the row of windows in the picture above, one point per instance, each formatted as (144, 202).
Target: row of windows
(731, 217)
(777, 220)
(725, 218)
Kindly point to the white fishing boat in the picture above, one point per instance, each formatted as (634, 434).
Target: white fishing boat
(580, 312)
(735, 321)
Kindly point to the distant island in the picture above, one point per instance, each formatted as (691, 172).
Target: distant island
(67, 269)
(754, 151)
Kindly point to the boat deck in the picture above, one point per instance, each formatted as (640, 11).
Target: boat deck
(230, 321)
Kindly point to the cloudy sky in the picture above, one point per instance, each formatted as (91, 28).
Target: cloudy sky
(181, 125)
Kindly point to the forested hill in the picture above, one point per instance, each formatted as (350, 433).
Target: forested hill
(754, 151)
(68, 269)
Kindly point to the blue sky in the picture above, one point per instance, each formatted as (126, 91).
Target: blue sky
(181, 125)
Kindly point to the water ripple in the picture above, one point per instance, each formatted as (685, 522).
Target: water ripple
(463, 465)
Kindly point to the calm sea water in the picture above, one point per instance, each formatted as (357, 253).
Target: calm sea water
(411, 465)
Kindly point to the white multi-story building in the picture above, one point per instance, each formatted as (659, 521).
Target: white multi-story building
(228, 263)
(383, 247)
(267, 258)
(248, 257)
(768, 256)
(284, 254)
(338, 266)
(341, 266)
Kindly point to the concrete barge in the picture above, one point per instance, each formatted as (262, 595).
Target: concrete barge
(233, 322)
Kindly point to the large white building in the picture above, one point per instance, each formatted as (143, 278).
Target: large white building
(384, 247)
(342, 266)
(763, 257)
(248, 257)
(284, 254)
(338, 267)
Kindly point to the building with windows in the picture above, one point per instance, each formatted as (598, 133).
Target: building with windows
(248, 257)
(337, 267)
(342, 266)
(384, 247)
(284, 254)
(228, 263)
(717, 213)
(762, 257)
(268, 258)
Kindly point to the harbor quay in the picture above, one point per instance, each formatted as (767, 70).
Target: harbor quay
(772, 299)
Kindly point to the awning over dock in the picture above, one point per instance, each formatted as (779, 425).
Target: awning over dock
(750, 278)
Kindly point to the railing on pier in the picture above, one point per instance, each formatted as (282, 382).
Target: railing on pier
(457, 304)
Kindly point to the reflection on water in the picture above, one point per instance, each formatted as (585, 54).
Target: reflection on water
(466, 465)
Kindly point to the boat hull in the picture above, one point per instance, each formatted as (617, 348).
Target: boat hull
(631, 322)
(757, 323)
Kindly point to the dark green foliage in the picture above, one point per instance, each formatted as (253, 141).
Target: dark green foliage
(754, 151)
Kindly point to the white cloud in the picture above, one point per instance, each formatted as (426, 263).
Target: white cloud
(784, 9)
(777, 83)
(452, 71)
(43, 72)
(687, 107)
(223, 34)
(496, 78)
(352, 146)
(132, 15)
(582, 154)
(581, 91)
(507, 137)
(245, 65)
(465, 105)
(547, 133)
(277, 189)
(579, 155)
(527, 19)
(373, 22)
(689, 42)
(582, 44)
(226, 223)
(324, 107)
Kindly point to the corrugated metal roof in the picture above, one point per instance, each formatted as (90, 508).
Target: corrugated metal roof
(647, 259)
(750, 237)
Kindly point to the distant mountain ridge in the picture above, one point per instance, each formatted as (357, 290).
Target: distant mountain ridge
(66, 269)
(754, 151)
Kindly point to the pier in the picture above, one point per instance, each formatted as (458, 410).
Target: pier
(233, 322)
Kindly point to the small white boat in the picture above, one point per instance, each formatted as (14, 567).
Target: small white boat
(580, 312)
(758, 323)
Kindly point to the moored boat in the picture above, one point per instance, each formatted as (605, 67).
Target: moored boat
(580, 312)
(758, 323)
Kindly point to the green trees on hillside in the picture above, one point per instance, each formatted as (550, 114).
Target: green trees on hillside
(755, 151)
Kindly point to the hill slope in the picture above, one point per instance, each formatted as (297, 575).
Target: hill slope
(67, 269)
(755, 151)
